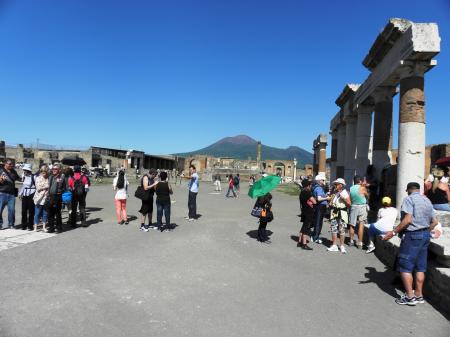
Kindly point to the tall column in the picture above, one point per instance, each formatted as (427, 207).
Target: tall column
(411, 130)
(340, 151)
(363, 134)
(320, 154)
(382, 133)
(350, 149)
(334, 143)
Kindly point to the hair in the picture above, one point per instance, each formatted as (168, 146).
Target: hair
(44, 168)
(120, 179)
(192, 167)
(357, 179)
(152, 171)
(265, 199)
(68, 172)
(77, 169)
(306, 183)
(163, 175)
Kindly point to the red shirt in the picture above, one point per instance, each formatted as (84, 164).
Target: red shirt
(77, 176)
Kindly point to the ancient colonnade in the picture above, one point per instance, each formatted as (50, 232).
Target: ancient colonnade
(400, 56)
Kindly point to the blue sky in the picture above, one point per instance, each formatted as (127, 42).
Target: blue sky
(174, 76)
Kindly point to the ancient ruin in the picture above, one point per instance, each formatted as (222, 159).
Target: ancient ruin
(400, 56)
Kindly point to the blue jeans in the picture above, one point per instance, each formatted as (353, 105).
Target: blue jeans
(319, 213)
(160, 209)
(413, 252)
(40, 212)
(441, 207)
(8, 200)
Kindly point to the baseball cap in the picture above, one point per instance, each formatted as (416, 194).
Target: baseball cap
(319, 177)
(386, 200)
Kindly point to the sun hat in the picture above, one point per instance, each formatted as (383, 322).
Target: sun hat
(27, 167)
(430, 178)
(386, 200)
(319, 177)
(339, 181)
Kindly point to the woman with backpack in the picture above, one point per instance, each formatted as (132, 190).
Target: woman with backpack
(120, 185)
(265, 203)
(148, 184)
(163, 191)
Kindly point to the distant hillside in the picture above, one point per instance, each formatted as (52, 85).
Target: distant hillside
(243, 146)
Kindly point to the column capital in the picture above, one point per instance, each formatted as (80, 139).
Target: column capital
(415, 68)
(364, 108)
(384, 94)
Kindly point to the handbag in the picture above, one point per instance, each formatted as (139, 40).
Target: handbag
(142, 194)
(256, 211)
(66, 197)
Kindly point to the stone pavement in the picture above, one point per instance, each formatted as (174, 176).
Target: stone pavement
(206, 278)
(10, 238)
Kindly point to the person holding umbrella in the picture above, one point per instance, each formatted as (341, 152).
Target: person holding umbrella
(263, 206)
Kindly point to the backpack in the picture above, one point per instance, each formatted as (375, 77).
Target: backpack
(236, 181)
(78, 187)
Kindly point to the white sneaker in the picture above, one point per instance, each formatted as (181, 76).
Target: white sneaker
(370, 249)
(343, 251)
(333, 248)
(351, 243)
(191, 219)
(318, 241)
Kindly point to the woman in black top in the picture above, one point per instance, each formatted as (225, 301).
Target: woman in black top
(163, 191)
(307, 203)
(267, 216)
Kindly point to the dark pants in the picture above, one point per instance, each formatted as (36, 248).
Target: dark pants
(230, 189)
(27, 212)
(192, 205)
(262, 234)
(160, 209)
(81, 202)
(319, 213)
(54, 214)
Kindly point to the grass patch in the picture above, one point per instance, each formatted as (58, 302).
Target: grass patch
(289, 189)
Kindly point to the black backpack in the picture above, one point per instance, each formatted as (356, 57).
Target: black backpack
(78, 187)
(236, 181)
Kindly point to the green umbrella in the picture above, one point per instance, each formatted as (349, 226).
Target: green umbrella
(263, 186)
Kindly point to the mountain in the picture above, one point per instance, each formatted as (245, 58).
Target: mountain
(243, 146)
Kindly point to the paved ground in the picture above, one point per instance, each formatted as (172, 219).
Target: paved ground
(206, 278)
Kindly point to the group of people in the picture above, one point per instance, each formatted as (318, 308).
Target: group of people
(348, 210)
(154, 183)
(234, 184)
(43, 194)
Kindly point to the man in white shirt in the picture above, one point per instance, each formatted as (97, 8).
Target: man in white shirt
(385, 223)
(193, 191)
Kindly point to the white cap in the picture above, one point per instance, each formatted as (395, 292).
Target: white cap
(27, 167)
(320, 177)
(444, 180)
(339, 181)
(430, 178)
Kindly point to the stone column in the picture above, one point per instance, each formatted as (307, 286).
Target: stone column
(341, 132)
(411, 130)
(382, 133)
(350, 150)
(334, 143)
(363, 134)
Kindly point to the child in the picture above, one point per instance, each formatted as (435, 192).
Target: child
(385, 223)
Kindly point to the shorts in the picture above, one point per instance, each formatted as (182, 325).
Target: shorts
(358, 214)
(146, 207)
(374, 231)
(337, 226)
(413, 252)
(306, 228)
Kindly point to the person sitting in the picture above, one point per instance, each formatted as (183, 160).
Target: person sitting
(439, 194)
(385, 223)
